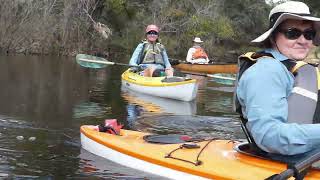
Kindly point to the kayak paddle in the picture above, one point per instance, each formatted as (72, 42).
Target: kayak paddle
(90, 61)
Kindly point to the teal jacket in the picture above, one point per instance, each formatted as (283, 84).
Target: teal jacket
(262, 92)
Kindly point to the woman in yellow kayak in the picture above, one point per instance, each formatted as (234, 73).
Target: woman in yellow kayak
(150, 55)
(277, 94)
(196, 53)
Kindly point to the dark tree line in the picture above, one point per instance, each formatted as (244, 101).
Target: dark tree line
(66, 26)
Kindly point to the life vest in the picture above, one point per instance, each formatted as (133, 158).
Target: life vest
(199, 53)
(303, 104)
(152, 54)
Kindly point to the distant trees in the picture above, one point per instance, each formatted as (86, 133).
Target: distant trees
(47, 26)
(314, 6)
(66, 26)
(222, 24)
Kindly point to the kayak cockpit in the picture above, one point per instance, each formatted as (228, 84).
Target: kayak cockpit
(246, 148)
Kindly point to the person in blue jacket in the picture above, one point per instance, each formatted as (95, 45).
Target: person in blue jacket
(278, 94)
(151, 55)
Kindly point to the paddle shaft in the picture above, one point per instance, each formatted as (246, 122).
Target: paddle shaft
(298, 167)
(202, 74)
(284, 175)
(105, 62)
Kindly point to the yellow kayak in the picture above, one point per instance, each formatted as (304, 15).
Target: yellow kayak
(206, 159)
(178, 88)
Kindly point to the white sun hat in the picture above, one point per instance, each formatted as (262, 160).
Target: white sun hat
(197, 40)
(288, 10)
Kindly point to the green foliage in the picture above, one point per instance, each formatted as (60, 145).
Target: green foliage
(314, 6)
(250, 19)
(223, 28)
(118, 12)
(118, 6)
(176, 13)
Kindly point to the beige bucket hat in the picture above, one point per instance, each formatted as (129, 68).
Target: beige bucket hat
(288, 10)
(197, 40)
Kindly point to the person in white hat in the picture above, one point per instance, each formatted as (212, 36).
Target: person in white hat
(151, 56)
(277, 93)
(196, 53)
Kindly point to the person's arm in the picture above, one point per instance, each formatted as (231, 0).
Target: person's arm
(189, 55)
(263, 90)
(166, 59)
(135, 56)
(207, 58)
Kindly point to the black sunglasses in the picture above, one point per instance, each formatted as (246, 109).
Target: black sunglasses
(294, 33)
(152, 32)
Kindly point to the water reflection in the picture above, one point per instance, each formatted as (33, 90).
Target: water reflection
(158, 105)
(138, 103)
(89, 109)
(41, 89)
(201, 80)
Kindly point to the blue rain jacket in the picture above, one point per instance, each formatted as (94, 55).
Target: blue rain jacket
(262, 91)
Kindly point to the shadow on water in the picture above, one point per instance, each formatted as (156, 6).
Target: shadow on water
(41, 89)
(44, 101)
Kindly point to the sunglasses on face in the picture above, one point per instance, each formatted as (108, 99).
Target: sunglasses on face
(294, 33)
(152, 33)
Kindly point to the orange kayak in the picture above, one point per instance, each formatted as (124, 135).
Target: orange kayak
(208, 159)
(207, 68)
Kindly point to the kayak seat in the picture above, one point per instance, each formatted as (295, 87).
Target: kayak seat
(246, 148)
(251, 148)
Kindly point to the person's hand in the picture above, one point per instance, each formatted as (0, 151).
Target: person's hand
(135, 69)
(143, 66)
(169, 71)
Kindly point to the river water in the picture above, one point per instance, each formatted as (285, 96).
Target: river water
(44, 101)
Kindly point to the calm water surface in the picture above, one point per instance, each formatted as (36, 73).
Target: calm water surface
(44, 101)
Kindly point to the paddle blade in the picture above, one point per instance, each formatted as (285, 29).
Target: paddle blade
(90, 61)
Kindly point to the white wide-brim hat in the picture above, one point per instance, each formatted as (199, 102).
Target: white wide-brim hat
(197, 40)
(288, 10)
